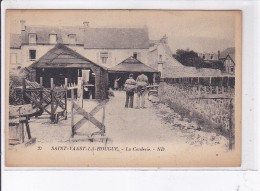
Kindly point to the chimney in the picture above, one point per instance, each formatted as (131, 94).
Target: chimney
(86, 24)
(22, 22)
(164, 39)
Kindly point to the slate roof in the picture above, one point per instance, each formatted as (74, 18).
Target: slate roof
(15, 41)
(90, 38)
(62, 57)
(132, 65)
(172, 68)
(116, 38)
(43, 33)
(229, 51)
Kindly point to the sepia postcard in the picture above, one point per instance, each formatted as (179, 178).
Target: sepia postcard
(123, 88)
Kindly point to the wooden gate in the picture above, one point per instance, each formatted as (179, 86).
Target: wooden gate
(52, 101)
(88, 116)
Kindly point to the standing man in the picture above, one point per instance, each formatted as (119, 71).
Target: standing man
(141, 83)
(130, 86)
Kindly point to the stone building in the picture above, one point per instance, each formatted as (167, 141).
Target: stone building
(104, 46)
(228, 58)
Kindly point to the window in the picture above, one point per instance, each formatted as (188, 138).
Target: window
(135, 55)
(72, 38)
(211, 57)
(13, 58)
(203, 56)
(103, 57)
(53, 38)
(32, 38)
(32, 55)
(231, 70)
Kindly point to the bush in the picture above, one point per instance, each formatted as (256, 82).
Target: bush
(210, 114)
(14, 81)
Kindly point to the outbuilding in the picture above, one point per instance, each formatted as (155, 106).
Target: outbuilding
(62, 62)
(132, 65)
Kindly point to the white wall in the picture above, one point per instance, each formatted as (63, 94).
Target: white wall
(17, 52)
(115, 55)
(40, 51)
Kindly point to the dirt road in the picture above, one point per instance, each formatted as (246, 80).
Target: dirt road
(153, 124)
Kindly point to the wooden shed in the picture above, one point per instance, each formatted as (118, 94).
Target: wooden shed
(62, 62)
(134, 66)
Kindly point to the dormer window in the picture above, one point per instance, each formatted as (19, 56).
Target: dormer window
(104, 57)
(160, 58)
(135, 55)
(32, 38)
(72, 38)
(53, 38)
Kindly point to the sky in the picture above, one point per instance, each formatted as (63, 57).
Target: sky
(201, 31)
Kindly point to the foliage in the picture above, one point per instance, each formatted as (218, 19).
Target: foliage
(210, 114)
(188, 58)
(14, 81)
(191, 58)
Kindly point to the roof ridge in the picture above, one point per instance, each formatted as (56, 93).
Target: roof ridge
(72, 52)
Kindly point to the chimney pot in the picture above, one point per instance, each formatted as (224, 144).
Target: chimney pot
(86, 24)
(22, 22)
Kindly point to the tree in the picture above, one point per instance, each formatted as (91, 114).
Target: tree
(188, 57)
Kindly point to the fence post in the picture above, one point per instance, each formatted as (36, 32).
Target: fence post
(72, 119)
(231, 127)
(66, 96)
(52, 101)
(23, 90)
(72, 93)
(25, 99)
(80, 92)
(41, 81)
(103, 120)
(27, 128)
(223, 89)
(199, 86)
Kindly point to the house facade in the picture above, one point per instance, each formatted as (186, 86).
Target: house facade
(229, 65)
(161, 59)
(208, 56)
(104, 46)
(228, 58)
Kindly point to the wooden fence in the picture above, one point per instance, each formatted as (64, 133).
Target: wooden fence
(41, 98)
(221, 81)
(210, 106)
(88, 116)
